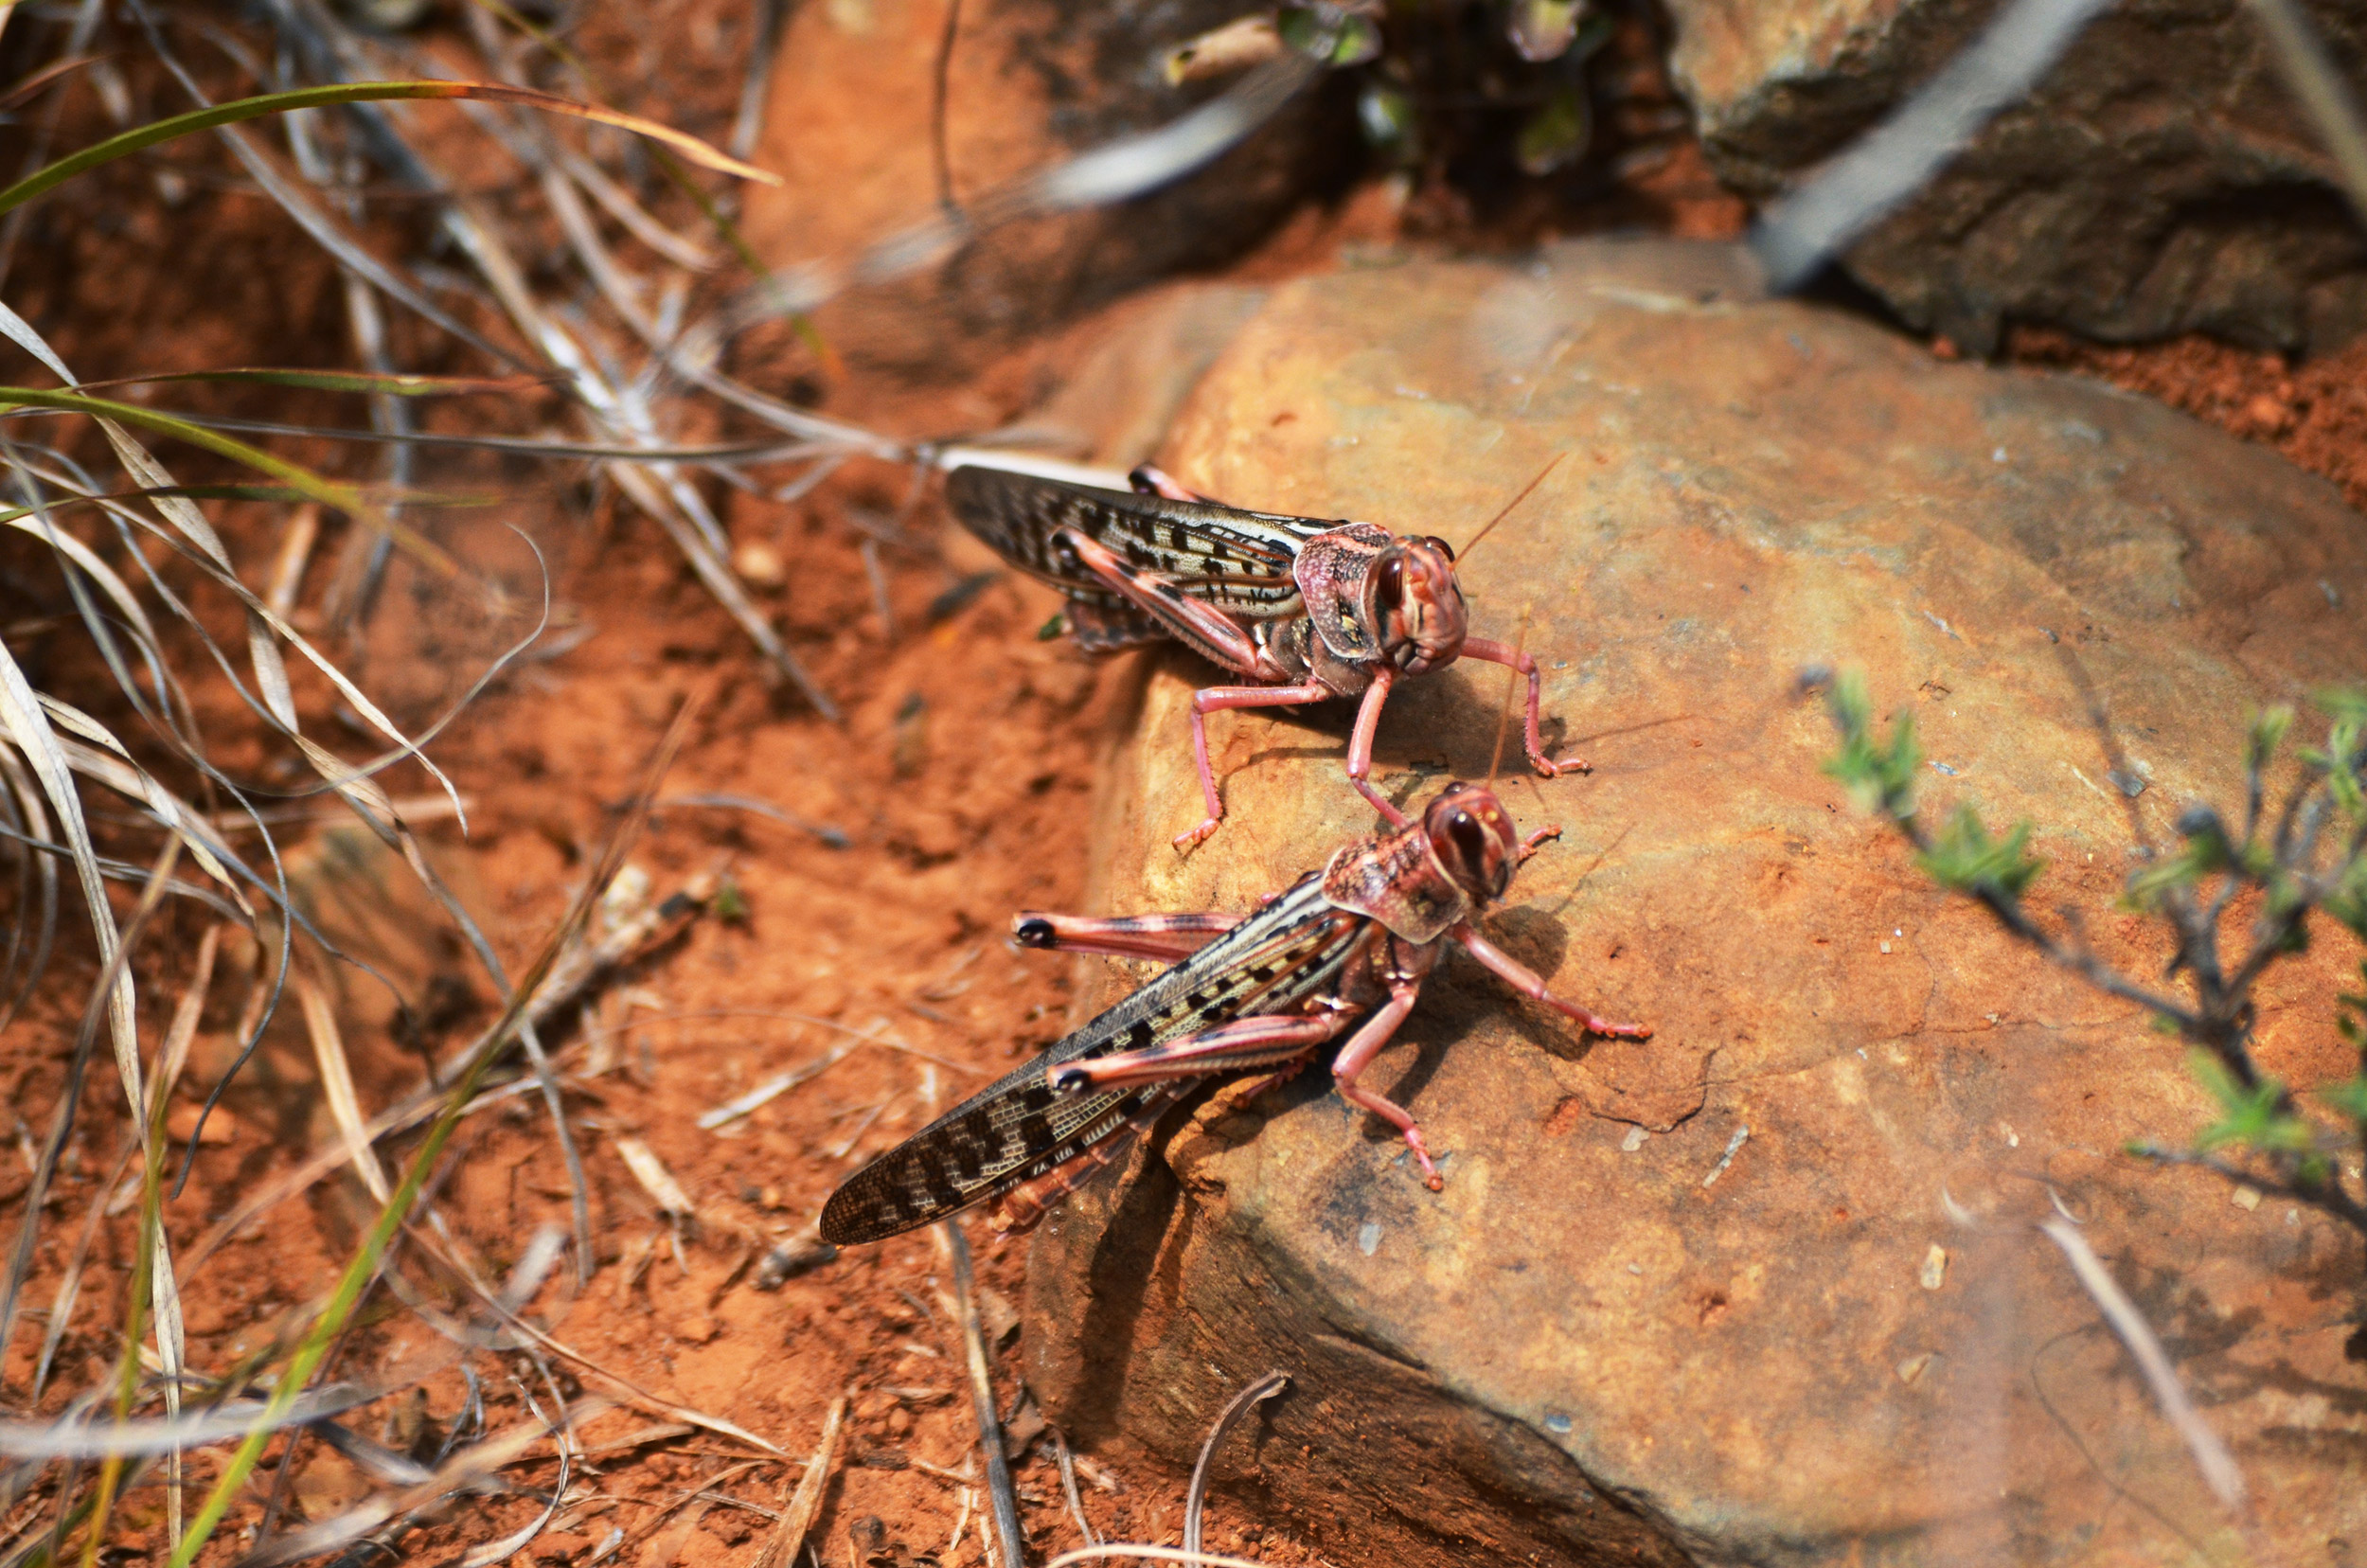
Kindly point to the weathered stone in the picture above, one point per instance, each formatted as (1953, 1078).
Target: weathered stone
(849, 126)
(2161, 180)
(1765, 1289)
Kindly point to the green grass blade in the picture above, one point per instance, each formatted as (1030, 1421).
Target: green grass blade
(176, 126)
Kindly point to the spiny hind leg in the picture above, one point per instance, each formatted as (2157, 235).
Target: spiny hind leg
(1242, 1043)
(1169, 938)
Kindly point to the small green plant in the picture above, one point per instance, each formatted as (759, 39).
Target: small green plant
(2292, 858)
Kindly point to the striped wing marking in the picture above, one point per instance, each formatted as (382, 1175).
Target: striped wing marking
(1019, 1126)
(1238, 560)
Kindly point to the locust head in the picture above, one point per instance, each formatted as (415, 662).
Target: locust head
(1472, 836)
(1418, 603)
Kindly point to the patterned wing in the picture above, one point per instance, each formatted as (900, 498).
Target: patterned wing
(1019, 1127)
(1237, 560)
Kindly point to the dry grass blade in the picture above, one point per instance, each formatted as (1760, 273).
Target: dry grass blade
(2211, 1455)
(801, 1502)
(362, 1270)
(470, 1464)
(219, 114)
(1116, 171)
(1891, 162)
(2332, 106)
(345, 1106)
(1010, 1542)
(1106, 1550)
(1256, 1394)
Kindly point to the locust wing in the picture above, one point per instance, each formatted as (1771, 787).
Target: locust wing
(1020, 1127)
(1237, 560)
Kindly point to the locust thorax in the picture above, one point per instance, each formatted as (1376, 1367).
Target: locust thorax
(1472, 836)
(1419, 603)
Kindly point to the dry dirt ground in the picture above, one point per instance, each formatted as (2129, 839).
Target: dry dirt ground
(958, 784)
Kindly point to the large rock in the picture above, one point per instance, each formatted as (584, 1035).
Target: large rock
(2161, 180)
(1765, 1289)
(849, 124)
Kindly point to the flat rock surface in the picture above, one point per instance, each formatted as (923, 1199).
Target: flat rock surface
(2161, 179)
(1767, 1288)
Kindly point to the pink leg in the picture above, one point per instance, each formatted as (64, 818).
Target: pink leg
(1168, 937)
(1151, 481)
(1537, 841)
(1243, 1042)
(1210, 700)
(1527, 984)
(1358, 1054)
(1496, 652)
(1361, 744)
(1203, 628)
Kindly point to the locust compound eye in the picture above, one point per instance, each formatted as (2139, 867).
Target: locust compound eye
(1469, 839)
(1390, 589)
(1033, 933)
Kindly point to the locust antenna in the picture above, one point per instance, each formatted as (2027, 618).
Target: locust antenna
(1512, 676)
(1464, 553)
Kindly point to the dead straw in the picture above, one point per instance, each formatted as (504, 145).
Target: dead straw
(1010, 1542)
(2211, 1455)
(1257, 1393)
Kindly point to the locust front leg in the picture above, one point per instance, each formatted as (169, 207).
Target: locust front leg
(1208, 700)
(1526, 981)
(1496, 652)
(1358, 1054)
(1361, 744)
(1168, 938)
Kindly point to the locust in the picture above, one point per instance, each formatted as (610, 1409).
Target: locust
(1344, 947)
(1303, 610)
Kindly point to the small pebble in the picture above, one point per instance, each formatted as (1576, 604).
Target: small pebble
(1934, 1268)
(1635, 1268)
(1914, 1367)
(1557, 1422)
(1633, 1141)
(1368, 1237)
(2244, 1198)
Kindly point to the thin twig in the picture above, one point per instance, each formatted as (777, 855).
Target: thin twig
(1010, 1544)
(1263, 1389)
(2211, 1456)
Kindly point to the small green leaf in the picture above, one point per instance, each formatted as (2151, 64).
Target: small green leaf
(728, 904)
(1387, 118)
(1543, 29)
(2268, 733)
(2253, 1118)
(2341, 703)
(1056, 626)
(1880, 777)
(1557, 135)
(1964, 859)
(2349, 1097)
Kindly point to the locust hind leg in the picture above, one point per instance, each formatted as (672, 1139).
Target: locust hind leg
(1496, 652)
(1265, 1041)
(1358, 1054)
(1153, 481)
(1169, 938)
(1527, 982)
